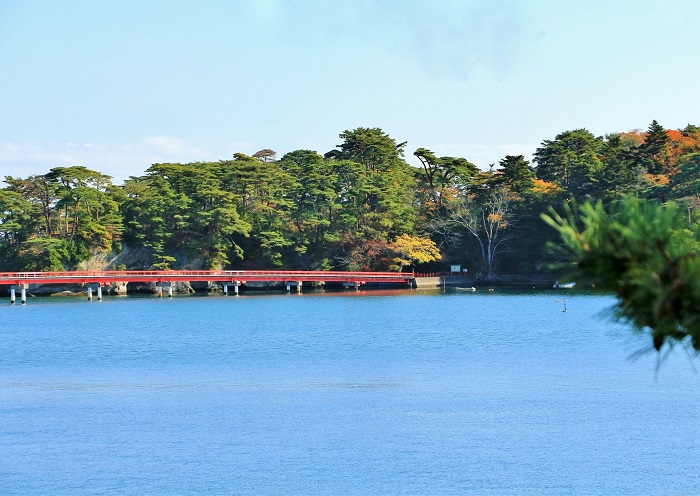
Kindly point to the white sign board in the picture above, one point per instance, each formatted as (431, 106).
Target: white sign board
(455, 268)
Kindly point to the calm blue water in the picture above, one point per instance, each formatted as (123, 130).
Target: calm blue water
(372, 393)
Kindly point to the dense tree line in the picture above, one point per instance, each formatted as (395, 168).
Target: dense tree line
(360, 206)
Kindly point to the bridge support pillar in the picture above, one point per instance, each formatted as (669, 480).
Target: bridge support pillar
(98, 287)
(23, 293)
(161, 285)
(235, 285)
(295, 284)
(235, 288)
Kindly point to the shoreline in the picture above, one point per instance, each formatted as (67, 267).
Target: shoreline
(199, 288)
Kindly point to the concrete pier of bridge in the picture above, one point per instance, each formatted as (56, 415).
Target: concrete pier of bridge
(353, 285)
(235, 287)
(161, 285)
(98, 287)
(292, 284)
(23, 293)
(146, 279)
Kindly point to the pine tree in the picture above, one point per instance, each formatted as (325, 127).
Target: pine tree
(655, 149)
(646, 254)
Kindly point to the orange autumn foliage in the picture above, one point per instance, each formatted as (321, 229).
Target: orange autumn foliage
(679, 143)
(545, 188)
(636, 136)
(682, 144)
(658, 179)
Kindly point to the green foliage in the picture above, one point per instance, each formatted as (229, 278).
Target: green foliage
(41, 192)
(44, 254)
(156, 217)
(647, 254)
(571, 160)
(383, 184)
(64, 215)
(17, 221)
(687, 181)
(314, 208)
(445, 173)
(345, 209)
(654, 152)
(371, 147)
(516, 173)
(620, 174)
(85, 202)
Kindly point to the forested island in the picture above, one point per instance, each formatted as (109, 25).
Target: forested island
(360, 206)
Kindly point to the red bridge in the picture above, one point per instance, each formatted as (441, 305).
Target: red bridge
(232, 276)
(164, 278)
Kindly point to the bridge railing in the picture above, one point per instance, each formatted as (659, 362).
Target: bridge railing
(184, 275)
(434, 274)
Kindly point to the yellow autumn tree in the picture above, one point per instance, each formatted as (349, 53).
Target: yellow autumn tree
(413, 249)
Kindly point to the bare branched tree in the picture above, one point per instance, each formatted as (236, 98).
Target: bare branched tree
(489, 220)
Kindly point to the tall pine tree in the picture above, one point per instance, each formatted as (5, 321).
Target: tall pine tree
(654, 152)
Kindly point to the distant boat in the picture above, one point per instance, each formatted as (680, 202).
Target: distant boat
(466, 289)
(566, 285)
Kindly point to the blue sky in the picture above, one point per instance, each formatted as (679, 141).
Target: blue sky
(119, 85)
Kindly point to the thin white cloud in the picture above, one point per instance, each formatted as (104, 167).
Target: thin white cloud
(166, 149)
(449, 39)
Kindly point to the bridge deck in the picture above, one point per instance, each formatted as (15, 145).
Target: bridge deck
(232, 276)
